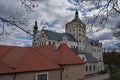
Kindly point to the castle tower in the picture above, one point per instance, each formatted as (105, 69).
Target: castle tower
(78, 30)
(35, 31)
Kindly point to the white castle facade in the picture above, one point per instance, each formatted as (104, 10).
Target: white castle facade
(75, 37)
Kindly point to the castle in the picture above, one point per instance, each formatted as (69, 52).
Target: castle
(75, 37)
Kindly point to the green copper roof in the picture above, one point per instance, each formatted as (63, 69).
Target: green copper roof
(93, 42)
(89, 56)
(58, 36)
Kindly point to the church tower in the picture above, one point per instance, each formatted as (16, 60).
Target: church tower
(35, 32)
(78, 30)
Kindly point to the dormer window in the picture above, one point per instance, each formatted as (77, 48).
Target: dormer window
(83, 58)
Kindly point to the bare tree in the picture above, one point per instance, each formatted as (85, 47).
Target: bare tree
(106, 9)
(17, 19)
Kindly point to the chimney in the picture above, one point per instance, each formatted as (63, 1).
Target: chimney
(57, 45)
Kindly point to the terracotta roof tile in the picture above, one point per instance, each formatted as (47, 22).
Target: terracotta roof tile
(63, 55)
(22, 59)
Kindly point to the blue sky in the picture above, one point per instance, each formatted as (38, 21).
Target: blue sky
(53, 14)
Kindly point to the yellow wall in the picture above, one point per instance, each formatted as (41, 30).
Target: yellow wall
(73, 72)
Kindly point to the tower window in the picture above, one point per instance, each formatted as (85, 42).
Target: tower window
(83, 36)
(73, 29)
(83, 41)
(73, 34)
(83, 30)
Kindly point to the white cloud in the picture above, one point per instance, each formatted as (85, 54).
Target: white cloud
(52, 10)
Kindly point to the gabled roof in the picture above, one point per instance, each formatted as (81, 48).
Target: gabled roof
(89, 56)
(58, 36)
(63, 55)
(76, 19)
(24, 59)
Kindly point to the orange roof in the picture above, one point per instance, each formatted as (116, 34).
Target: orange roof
(63, 55)
(23, 59)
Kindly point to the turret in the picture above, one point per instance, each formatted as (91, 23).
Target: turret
(35, 31)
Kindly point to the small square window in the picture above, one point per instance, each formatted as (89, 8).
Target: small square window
(42, 76)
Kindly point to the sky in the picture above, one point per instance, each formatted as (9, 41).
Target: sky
(52, 14)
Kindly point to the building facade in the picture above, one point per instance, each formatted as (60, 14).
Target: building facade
(75, 37)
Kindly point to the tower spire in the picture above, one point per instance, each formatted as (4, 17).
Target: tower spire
(76, 13)
(35, 27)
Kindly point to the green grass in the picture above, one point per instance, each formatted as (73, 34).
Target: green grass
(115, 75)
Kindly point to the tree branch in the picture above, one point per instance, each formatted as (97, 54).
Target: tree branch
(13, 23)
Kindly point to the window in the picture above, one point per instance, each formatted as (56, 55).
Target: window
(42, 76)
(79, 34)
(94, 67)
(53, 42)
(73, 29)
(83, 30)
(83, 41)
(66, 76)
(83, 58)
(89, 68)
(49, 42)
(66, 68)
(83, 36)
(86, 68)
(73, 34)
(79, 40)
(70, 30)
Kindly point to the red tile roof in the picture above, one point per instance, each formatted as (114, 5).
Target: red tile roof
(22, 59)
(63, 55)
